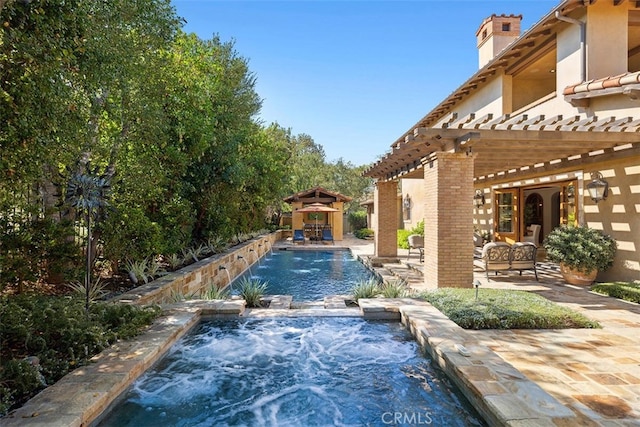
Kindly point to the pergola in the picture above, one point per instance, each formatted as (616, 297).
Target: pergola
(506, 145)
(461, 152)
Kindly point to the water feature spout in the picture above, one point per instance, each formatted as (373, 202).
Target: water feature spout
(246, 262)
(222, 267)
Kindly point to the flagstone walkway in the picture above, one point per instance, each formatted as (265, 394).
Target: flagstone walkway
(594, 372)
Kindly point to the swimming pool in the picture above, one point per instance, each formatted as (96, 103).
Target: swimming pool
(294, 372)
(308, 275)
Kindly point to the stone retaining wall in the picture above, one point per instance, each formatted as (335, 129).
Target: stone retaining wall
(193, 280)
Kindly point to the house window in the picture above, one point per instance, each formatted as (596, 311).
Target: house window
(484, 34)
(506, 26)
(505, 212)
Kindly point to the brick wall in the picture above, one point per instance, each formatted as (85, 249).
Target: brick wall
(385, 200)
(448, 220)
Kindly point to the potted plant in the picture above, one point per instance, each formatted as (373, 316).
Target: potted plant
(581, 252)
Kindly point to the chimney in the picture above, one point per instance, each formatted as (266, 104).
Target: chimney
(495, 33)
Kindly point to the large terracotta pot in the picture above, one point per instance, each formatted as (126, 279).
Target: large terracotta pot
(575, 277)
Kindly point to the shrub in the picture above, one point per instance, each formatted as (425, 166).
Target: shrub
(59, 333)
(623, 290)
(357, 220)
(363, 233)
(403, 238)
(580, 248)
(129, 234)
(504, 309)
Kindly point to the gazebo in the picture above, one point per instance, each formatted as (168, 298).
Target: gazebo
(318, 196)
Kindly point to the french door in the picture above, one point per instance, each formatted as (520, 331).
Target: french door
(507, 215)
(509, 209)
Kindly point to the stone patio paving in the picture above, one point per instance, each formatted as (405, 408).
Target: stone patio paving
(594, 372)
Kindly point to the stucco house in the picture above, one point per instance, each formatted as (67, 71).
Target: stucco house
(550, 113)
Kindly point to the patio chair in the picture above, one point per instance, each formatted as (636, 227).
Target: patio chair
(298, 236)
(416, 241)
(535, 234)
(327, 236)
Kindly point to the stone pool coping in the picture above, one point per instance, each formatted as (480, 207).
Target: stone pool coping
(500, 393)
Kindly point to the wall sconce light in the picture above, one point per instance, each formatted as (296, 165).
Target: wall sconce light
(598, 188)
(407, 202)
(478, 199)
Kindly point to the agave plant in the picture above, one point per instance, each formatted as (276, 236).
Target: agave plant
(215, 244)
(154, 269)
(197, 252)
(95, 292)
(138, 271)
(213, 293)
(398, 288)
(252, 290)
(178, 296)
(366, 289)
(175, 261)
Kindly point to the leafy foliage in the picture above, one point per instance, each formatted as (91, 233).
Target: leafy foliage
(169, 119)
(357, 219)
(59, 333)
(364, 233)
(581, 248)
(623, 290)
(504, 309)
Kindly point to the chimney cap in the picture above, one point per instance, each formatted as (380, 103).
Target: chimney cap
(493, 17)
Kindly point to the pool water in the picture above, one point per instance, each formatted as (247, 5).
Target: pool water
(294, 372)
(308, 275)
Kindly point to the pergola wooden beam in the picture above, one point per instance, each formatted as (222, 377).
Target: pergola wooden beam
(508, 142)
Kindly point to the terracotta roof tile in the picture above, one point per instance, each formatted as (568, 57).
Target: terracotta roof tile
(603, 83)
(612, 81)
(629, 78)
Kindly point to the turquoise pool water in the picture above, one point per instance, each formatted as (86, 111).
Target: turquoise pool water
(294, 372)
(308, 275)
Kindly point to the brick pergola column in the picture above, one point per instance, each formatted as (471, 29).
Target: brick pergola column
(448, 220)
(385, 201)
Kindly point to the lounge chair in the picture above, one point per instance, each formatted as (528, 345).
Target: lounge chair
(298, 236)
(327, 236)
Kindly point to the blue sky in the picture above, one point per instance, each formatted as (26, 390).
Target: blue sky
(354, 75)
